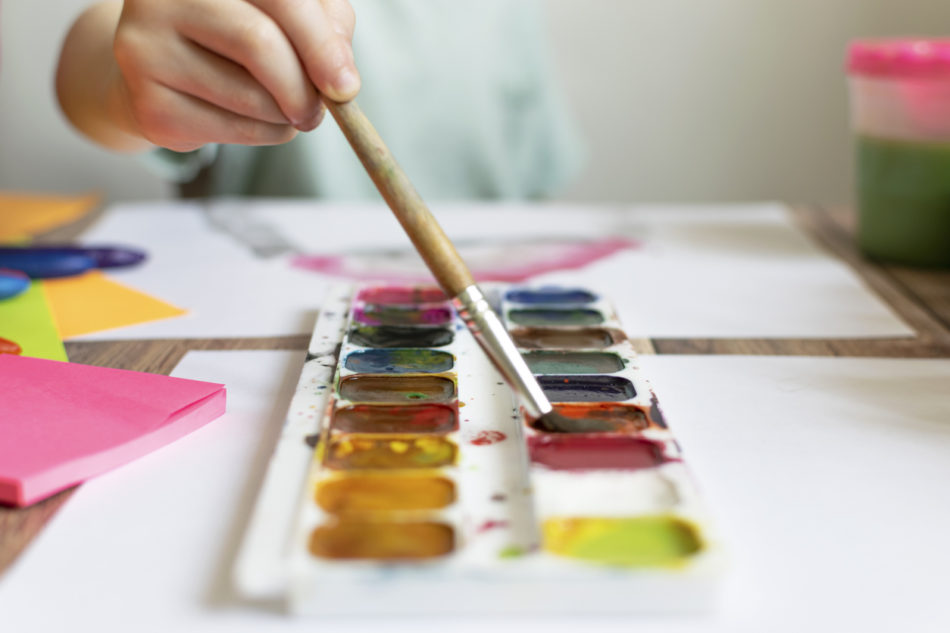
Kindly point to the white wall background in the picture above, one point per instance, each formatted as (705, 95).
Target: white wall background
(679, 99)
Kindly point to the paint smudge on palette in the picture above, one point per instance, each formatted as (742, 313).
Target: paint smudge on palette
(487, 438)
(492, 524)
(9, 347)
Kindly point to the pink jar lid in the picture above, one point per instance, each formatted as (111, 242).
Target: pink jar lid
(900, 58)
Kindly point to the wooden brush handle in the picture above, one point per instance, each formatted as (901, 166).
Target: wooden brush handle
(428, 237)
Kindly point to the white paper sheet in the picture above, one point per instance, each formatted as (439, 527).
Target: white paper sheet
(827, 477)
(742, 271)
(227, 291)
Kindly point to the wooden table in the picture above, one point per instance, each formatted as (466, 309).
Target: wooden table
(920, 297)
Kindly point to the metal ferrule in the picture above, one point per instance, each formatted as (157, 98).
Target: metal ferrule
(488, 330)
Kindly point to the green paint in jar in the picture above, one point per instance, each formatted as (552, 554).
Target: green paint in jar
(904, 201)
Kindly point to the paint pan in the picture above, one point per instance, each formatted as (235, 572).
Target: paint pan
(397, 389)
(580, 338)
(553, 295)
(643, 541)
(377, 314)
(560, 388)
(382, 540)
(401, 295)
(399, 361)
(593, 418)
(388, 336)
(424, 418)
(595, 452)
(356, 494)
(373, 452)
(551, 362)
(546, 317)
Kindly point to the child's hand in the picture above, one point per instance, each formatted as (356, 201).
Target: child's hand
(192, 72)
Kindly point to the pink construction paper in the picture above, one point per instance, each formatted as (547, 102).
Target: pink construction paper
(62, 423)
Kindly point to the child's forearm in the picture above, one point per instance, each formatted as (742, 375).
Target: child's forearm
(89, 85)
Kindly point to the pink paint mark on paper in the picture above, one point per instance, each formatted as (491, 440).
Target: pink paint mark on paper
(487, 438)
(545, 257)
(327, 264)
(506, 262)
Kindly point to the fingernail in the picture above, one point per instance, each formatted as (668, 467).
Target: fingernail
(347, 81)
(312, 123)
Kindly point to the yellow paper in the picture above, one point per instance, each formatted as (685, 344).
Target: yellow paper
(24, 215)
(92, 302)
(26, 320)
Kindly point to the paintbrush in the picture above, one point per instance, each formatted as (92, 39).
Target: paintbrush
(440, 255)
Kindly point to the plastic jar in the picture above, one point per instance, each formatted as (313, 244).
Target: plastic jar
(900, 112)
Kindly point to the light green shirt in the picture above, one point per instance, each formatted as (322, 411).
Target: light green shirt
(463, 93)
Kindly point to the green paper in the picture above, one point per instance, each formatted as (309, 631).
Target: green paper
(27, 321)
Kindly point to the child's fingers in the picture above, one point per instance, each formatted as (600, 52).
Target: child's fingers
(194, 70)
(341, 16)
(321, 38)
(246, 35)
(182, 123)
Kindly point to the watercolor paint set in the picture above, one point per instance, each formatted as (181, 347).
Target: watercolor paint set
(407, 480)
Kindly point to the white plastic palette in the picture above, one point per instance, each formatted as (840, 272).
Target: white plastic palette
(407, 481)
